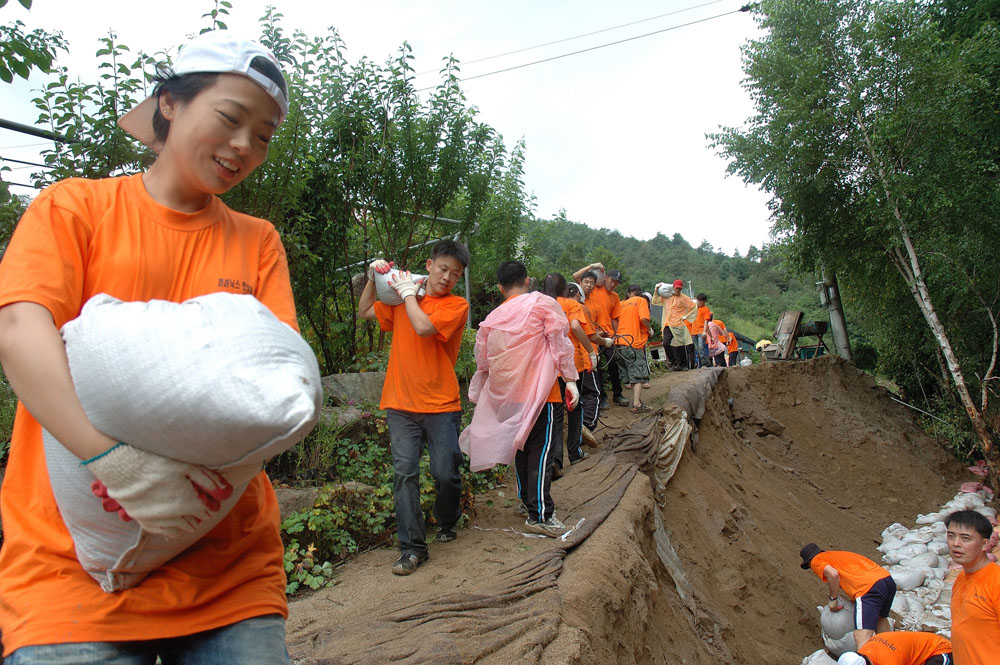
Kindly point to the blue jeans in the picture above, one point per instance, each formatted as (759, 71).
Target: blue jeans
(700, 349)
(257, 641)
(407, 430)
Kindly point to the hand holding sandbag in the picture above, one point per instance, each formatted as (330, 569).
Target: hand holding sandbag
(380, 266)
(404, 285)
(164, 496)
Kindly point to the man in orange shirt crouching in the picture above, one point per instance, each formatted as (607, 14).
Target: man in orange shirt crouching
(420, 394)
(862, 580)
(901, 648)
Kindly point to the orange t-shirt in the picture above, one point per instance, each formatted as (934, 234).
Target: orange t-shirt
(857, 573)
(84, 237)
(605, 306)
(698, 326)
(975, 616)
(574, 312)
(732, 344)
(421, 373)
(675, 309)
(633, 312)
(904, 648)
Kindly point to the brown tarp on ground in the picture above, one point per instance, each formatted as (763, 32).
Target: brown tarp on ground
(511, 617)
(514, 616)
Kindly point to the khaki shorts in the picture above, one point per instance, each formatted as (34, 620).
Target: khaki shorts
(634, 366)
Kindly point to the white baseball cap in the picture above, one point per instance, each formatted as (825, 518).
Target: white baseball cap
(215, 52)
(851, 658)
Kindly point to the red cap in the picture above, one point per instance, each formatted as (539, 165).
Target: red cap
(678, 283)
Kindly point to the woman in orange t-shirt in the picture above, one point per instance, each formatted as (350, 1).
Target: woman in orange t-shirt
(162, 234)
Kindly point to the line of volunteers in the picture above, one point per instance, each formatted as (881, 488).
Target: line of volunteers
(975, 601)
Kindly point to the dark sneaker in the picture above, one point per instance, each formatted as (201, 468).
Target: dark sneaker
(604, 406)
(582, 457)
(407, 563)
(557, 472)
(521, 510)
(550, 527)
(446, 535)
(621, 400)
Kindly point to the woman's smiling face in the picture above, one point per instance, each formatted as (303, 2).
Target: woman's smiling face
(220, 136)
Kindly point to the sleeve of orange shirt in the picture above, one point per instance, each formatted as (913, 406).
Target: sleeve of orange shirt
(614, 305)
(274, 286)
(449, 318)
(49, 247)
(384, 314)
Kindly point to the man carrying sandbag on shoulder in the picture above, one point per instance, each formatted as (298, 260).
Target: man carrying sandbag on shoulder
(420, 395)
(862, 580)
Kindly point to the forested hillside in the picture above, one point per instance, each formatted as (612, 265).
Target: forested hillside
(747, 292)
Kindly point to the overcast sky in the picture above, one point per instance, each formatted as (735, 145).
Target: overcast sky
(616, 135)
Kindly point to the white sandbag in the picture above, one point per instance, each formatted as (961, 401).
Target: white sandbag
(819, 657)
(389, 295)
(925, 560)
(930, 518)
(838, 647)
(837, 624)
(987, 511)
(904, 552)
(746, 362)
(907, 579)
(895, 529)
(217, 381)
(917, 537)
(889, 543)
(938, 547)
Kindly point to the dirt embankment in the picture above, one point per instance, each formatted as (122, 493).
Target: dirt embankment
(804, 452)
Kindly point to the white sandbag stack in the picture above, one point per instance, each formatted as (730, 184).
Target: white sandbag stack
(216, 381)
(838, 627)
(919, 563)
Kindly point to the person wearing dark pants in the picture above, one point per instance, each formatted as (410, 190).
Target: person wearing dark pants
(604, 305)
(534, 471)
(420, 391)
(408, 431)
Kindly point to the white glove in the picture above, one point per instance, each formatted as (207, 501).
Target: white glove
(608, 342)
(380, 266)
(593, 360)
(164, 496)
(404, 285)
(573, 393)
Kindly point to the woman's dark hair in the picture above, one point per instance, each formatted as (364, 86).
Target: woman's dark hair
(511, 273)
(554, 285)
(182, 88)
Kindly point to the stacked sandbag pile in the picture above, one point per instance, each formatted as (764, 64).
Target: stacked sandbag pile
(919, 563)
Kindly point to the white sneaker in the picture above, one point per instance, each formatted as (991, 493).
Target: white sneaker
(551, 527)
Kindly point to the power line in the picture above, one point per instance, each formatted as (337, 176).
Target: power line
(18, 161)
(594, 48)
(18, 184)
(587, 34)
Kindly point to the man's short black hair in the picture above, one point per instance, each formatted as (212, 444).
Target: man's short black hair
(634, 290)
(449, 247)
(511, 273)
(971, 518)
(590, 274)
(702, 297)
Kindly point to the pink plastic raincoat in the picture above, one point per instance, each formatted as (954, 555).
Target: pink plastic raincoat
(521, 347)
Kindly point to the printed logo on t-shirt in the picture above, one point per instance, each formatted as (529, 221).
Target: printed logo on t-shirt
(237, 285)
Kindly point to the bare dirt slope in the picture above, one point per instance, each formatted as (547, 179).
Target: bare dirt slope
(807, 452)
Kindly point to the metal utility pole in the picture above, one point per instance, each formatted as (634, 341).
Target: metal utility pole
(829, 297)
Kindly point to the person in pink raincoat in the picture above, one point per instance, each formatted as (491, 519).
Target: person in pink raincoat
(716, 340)
(522, 348)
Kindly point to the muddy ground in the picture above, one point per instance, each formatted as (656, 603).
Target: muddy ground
(805, 452)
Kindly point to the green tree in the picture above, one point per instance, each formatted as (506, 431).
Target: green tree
(868, 133)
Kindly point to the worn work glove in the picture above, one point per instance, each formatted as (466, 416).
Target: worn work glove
(608, 342)
(835, 605)
(164, 496)
(404, 285)
(572, 395)
(593, 361)
(380, 266)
